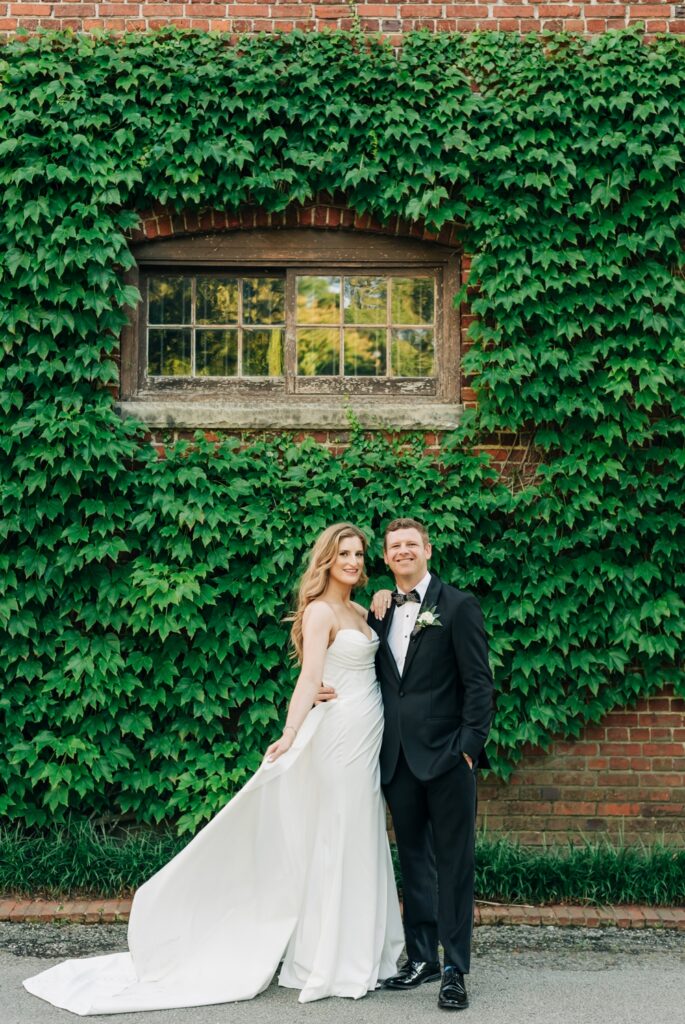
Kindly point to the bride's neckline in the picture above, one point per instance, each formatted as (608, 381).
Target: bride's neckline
(350, 629)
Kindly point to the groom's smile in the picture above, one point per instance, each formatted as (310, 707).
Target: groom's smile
(406, 554)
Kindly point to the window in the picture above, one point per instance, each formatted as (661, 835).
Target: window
(214, 325)
(292, 317)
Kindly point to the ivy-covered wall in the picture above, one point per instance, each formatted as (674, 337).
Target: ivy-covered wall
(143, 654)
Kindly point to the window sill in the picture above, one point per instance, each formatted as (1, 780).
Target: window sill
(294, 414)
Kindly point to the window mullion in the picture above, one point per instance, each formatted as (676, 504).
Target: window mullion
(193, 320)
(290, 353)
(388, 328)
(239, 367)
(341, 329)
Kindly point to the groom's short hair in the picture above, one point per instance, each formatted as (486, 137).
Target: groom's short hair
(405, 524)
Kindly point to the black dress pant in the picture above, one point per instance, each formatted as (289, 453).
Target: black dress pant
(435, 829)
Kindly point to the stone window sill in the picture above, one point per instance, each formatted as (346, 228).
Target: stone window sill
(316, 415)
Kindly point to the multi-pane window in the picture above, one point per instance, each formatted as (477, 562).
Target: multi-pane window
(365, 326)
(292, 313)
(343, 325)
(215, 326)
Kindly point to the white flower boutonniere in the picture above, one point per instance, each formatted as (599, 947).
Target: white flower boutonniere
(428, 617)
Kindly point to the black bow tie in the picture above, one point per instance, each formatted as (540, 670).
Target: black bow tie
(400, 599)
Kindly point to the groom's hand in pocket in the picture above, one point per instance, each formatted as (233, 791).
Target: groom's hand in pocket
(324, 693)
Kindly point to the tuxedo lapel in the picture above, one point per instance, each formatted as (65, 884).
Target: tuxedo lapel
(430, 600)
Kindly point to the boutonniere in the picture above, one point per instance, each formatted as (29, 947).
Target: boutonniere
(428, 617)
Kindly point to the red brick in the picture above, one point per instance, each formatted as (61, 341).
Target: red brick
(641, 11)
(609, 10)
(660, 718)
(574, 807)
(109, 10)
(662, 749)
(248, 10)
(618, 809)
(659, 703)
(571, 916)
(6, 908)
(624, 749)
(75, 10)
(620, 733)
(206, 10)
(26, 10)
(559, 10)
(372, 10)
(623, 718)
(332, 11)
(670, 917)
(466, 10)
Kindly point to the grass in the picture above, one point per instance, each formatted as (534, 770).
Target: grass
(595, 873)
(83, 860)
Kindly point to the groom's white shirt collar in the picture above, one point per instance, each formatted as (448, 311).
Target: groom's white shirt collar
(420, 587)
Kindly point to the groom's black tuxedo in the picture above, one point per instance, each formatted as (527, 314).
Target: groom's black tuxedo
(441, 705)
(438, 708)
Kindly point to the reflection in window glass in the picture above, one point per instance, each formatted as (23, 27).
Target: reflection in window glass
(366, 300)
(361, 324)
(263, 352)
(216, 353)
(263, 300)
(217, 300)
(413, 300)
(413, 353)
(169, 300)
(318, 300)
(169, 352)
(194, 304)
(318, 351)
(364, 352)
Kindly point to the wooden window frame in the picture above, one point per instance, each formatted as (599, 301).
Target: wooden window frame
(295, 252)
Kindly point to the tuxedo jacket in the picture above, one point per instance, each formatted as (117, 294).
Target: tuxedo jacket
(441, 705)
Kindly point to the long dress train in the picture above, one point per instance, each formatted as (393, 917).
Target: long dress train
(296, 867)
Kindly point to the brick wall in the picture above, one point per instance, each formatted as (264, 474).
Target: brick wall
(625, 775)
(382, 16)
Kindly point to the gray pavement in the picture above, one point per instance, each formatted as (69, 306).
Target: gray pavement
(520, 975)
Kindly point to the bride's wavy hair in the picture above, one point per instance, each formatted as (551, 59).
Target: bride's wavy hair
(315, 577)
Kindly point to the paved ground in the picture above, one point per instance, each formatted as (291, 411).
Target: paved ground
(521, 975)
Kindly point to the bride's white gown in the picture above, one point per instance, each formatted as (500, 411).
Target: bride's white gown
(296, 867)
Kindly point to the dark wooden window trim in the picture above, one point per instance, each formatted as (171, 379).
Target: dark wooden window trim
(295, 250)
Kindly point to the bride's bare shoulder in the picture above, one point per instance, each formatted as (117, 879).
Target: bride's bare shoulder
(318, 613)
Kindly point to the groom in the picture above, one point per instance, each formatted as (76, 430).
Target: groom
(437, 688)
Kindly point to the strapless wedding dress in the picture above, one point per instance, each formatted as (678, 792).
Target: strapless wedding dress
(295, 868)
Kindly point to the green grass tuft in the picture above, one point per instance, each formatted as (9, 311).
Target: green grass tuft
(84, 860)
(594, 873)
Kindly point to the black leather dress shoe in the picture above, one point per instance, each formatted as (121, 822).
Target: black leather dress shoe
(452, 991)
(413, 973)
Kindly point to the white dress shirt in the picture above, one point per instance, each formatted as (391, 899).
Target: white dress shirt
(403, 621)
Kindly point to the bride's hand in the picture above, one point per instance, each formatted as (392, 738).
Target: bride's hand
(324, 694)
(380, 603)
(280, 746)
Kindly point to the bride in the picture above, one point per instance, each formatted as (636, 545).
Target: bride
(296, 867)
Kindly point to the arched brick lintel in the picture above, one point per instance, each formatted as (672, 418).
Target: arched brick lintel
(160, 222)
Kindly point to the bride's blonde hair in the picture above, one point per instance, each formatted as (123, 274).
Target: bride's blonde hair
(315, 577)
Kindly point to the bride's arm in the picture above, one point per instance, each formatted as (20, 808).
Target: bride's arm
(317, 625)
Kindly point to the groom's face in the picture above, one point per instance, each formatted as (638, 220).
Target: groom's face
(406, 555)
